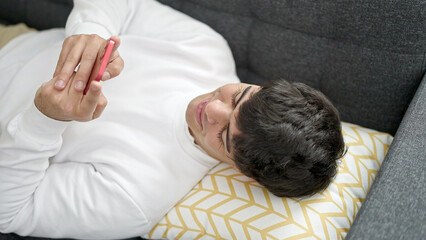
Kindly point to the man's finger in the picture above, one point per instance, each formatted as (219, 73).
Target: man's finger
(114, 66)
(90, 101)
(102, 103)
(87, 62)
(113, 69)
(70, 63)
(66, 47)
(60, 81)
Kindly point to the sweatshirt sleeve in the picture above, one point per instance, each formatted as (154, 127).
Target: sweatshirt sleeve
(26, 143)
(69, 199)
(103, 17)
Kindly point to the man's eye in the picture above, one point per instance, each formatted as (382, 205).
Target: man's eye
(220, 134)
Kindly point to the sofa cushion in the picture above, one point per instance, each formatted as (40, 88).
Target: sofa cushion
(228, 205)
(367, 56)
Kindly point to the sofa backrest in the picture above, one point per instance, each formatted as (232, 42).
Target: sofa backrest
(40, 14)
(367, 56)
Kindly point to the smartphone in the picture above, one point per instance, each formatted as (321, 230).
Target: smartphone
(104, 63)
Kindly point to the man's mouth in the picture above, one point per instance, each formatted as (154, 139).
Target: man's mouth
(199, 113)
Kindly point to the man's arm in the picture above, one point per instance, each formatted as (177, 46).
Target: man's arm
(35, 196)
(63, 199)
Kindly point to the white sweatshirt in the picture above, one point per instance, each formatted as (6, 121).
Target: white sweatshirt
(116, 176)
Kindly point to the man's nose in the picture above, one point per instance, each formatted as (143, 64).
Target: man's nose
(217, 111)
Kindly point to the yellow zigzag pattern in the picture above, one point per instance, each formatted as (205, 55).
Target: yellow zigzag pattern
(228, 205)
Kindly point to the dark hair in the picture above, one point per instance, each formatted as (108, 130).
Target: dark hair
(291, 139)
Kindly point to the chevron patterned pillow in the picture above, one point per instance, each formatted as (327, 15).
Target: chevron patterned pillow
(228, 205)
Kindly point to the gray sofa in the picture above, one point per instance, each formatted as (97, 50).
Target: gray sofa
(367, 56)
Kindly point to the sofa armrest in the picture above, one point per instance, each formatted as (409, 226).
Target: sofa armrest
(395, 207)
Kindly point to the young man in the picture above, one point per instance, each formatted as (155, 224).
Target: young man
(72, 167)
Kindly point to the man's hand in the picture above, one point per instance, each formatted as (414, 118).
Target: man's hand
(86, 50)
(70, 104)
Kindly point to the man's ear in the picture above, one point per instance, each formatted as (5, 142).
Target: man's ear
(235, 168)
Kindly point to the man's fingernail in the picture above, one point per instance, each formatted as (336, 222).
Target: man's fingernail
(79, 85)
(60, 83)
(106, 76)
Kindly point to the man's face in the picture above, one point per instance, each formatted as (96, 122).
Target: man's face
(211, 118)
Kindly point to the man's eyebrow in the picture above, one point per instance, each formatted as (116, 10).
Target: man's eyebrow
(236, 105)
(242, 95)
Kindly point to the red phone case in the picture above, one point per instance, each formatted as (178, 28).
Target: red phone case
(104, 63)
